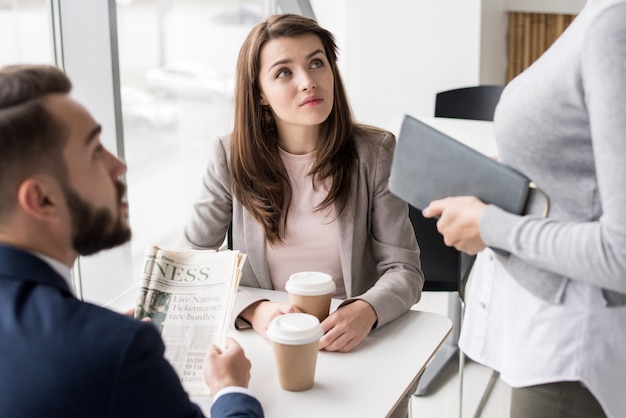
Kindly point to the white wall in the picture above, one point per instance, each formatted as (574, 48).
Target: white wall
(396, 55)
(493, 27)
(545, 6)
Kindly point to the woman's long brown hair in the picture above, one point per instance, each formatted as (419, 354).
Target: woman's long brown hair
(259, 179)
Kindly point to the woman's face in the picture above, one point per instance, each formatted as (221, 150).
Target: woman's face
(296, 82)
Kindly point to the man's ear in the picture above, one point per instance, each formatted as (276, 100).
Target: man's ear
(39, 197)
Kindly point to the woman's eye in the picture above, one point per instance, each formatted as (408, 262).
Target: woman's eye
(283, 73)
(317, 63)
(97, 154)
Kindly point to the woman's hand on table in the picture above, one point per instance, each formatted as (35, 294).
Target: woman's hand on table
(345, 328)
(261, 313)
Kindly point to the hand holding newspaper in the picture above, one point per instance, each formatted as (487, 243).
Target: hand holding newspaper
(189, 295)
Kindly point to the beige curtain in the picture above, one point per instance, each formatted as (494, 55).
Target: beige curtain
(529, 35)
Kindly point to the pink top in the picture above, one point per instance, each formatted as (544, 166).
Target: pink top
(311, 242)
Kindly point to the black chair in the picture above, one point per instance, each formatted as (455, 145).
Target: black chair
(446, 269)
(476, 103)
(443, 266)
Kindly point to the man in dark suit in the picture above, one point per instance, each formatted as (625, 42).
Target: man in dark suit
(60, 197)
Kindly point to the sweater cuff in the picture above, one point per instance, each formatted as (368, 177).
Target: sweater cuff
(496, 226)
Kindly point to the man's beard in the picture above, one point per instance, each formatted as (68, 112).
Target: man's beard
(95, 229)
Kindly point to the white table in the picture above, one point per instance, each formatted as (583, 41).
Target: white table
(366, 382)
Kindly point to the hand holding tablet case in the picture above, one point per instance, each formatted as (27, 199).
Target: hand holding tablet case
(429, 165)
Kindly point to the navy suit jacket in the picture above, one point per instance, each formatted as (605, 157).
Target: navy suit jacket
(60, 357)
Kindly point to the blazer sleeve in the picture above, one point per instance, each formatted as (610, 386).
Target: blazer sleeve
(236, 405)
(393, 281)
(212, 210)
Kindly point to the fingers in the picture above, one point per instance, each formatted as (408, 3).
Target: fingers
(286, 308)
(329, 343)
(261, 314)
(232, 346)
(455, 203)
(226, 367)
(230, 342)
(347, 326)
(342, 341)
(214, 350)
(434, 208)
(131, 312)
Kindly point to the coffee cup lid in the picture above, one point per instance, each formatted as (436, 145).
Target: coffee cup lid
(310, 283)
(295, 329)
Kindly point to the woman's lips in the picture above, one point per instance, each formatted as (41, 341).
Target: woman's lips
(311, 101)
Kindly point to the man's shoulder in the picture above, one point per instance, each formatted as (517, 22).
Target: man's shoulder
(45, 311)
(120, 328)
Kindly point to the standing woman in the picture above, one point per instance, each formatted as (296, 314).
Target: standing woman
(305, 188)
(547, 308)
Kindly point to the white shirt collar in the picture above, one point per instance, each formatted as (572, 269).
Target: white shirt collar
(63, 270)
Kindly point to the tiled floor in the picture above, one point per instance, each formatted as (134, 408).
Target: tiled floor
(442, 399)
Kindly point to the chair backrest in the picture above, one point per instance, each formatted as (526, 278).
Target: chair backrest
(444, 267)
(477, 102)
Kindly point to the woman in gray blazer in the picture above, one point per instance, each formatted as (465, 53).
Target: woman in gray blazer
(305, 188)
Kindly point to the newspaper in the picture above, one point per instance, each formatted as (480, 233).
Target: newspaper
(189, 295)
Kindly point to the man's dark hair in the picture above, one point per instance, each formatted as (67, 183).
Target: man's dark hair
(31, 139)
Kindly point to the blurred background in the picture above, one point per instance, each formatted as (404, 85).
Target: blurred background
(159, 76)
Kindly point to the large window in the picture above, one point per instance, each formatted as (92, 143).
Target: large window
(177, 63)
(25, 32)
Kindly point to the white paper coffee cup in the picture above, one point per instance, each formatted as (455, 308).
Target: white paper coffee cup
(295, 341)
(311, 292)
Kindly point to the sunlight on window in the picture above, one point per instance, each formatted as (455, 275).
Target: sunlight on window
(25, 32)
(177, 66)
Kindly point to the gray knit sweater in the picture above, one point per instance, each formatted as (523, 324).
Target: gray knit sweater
(562, 122)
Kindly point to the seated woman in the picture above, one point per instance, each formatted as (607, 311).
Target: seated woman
(305, 188)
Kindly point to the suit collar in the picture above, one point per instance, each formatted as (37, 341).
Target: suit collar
(22, 265)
